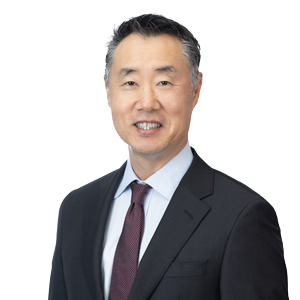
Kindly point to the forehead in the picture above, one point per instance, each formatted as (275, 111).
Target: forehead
(137, 51)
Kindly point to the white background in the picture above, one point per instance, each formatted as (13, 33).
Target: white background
(56, 129)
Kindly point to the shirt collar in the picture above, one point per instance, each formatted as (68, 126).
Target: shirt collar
(166, 179)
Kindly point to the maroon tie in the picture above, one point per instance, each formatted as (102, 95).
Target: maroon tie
(128, 248)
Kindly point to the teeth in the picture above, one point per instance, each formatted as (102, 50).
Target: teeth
(147, 126)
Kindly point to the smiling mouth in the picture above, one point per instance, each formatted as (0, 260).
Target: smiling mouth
(147, 126)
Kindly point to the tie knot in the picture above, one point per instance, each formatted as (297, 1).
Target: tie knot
(138, 192)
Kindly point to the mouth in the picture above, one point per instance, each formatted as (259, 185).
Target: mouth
(147, 125)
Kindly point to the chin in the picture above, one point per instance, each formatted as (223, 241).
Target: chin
(146, 150)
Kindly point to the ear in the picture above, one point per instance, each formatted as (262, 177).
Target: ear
(107, 92)
(196, 91)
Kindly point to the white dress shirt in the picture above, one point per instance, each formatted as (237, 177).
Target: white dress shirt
(164, 183)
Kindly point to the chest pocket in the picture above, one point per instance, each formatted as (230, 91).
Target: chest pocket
(187, 269)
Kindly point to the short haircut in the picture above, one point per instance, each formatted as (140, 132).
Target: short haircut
(151, 25)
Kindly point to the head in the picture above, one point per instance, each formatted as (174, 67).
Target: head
(151, 26)
(152, 84)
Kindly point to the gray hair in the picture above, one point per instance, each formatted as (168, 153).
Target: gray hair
(154, 25)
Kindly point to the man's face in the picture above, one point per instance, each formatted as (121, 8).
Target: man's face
(150, 94)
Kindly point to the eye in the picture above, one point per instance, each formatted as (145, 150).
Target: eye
(130, 83)
(164, 82)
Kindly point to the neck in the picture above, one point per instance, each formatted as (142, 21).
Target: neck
(145, 165)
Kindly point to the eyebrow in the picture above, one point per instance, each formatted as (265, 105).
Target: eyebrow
(126, 71)
(165, 69)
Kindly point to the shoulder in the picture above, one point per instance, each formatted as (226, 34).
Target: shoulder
(96, 185)
(226, 183)
(79, 197)
(231, 197)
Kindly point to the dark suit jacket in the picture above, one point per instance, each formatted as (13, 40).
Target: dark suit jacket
(218, 239)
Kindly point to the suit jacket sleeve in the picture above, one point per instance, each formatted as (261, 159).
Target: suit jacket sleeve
(57, 289)
(253, 265)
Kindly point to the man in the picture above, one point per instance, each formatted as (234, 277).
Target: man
(165, 225)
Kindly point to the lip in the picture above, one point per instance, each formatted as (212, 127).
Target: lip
(148, 121)
(148, 132)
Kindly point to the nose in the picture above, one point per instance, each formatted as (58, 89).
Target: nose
(147, 99)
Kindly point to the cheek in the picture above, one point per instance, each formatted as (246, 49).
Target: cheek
(119, 107)
(121, 101)
(121, 115)
(179, 107)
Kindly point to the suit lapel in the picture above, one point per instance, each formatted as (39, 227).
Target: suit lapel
(95, 218)
(183, 215)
